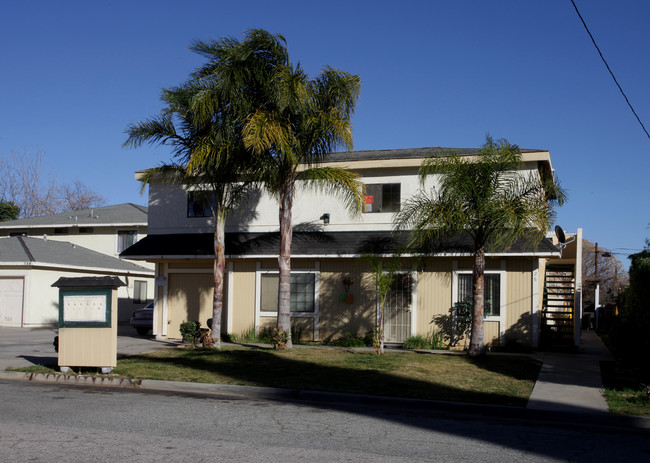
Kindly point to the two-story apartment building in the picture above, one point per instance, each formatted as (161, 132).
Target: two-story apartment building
(36, 251)
(333, 289)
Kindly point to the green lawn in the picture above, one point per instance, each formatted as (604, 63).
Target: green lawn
(625, 387)
(504, 380)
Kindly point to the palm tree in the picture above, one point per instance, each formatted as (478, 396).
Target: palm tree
(485, 202)
(301, 122)
(291, 123)
(209, 156)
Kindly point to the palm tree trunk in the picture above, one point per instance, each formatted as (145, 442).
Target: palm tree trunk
(477, 341)
(219, 267)
(381, 326)
(284, 261)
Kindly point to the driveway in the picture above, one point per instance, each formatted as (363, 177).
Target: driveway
(23, 347)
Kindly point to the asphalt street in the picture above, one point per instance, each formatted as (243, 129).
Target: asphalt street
(54, 422)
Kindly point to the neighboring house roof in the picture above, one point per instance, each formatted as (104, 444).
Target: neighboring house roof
(304, 244)
(34, 252)
(127, 214)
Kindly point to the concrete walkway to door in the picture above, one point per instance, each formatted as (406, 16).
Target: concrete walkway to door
(571, 382)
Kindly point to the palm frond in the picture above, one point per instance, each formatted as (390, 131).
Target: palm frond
(266, 131)
(153, 131)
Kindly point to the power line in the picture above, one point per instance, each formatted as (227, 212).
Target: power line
(610, 71)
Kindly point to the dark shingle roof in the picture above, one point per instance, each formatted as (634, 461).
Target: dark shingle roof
(122, 214)
(34, 251)
(408, 153)
(303, 244)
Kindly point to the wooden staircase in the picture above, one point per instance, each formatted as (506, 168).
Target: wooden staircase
(558, 314)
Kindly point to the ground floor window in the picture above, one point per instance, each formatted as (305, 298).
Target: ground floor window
(492, 302)
(303, 292)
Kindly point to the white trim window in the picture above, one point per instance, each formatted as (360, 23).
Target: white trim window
(382, 197)
(304, 292)
(126, 239)
(494, 303)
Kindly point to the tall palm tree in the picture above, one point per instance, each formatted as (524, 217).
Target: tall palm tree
(210, 157)
(298, 124)
(291, 123)
(484, 201)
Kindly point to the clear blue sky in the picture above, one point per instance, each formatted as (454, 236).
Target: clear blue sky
(434, 73)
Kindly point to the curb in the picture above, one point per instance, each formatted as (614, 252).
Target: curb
(70, 379)
(604, 422)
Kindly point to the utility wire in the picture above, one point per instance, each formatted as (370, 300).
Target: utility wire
(610, 71)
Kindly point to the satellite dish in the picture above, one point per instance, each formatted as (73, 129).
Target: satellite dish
(561, 237)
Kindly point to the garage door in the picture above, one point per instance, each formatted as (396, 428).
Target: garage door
(11, 301)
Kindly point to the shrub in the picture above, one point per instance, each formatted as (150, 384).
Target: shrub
(348, 340)
(279, 338)
(264, 336)
(436, 339)
(190, 331)
(228, 337)
(416, 342)
(296, 333)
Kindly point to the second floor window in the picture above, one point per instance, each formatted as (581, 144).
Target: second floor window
(125, 239)
(139, 291)
(382, 197)
(198, 204)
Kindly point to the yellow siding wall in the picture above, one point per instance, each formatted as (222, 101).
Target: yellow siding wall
(340, 316)
(434, 295)
(189, 298)
(519, 284)
(243, 296)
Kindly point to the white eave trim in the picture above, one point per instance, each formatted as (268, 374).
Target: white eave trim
(49, 266)
(332, 256)
(73, 225)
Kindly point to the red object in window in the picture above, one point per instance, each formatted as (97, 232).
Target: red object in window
(369, 199)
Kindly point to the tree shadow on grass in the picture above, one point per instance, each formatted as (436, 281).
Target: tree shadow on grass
(260, 367)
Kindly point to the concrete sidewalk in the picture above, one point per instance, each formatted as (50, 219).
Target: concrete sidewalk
(571, 382)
